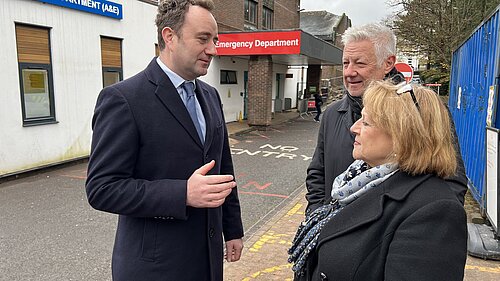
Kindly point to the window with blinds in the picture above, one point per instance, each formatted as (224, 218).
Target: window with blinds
(35, 75)
(111, 59)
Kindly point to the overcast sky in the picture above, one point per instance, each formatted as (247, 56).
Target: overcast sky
(359, 11)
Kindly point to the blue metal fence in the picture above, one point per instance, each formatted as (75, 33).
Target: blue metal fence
(475, 67)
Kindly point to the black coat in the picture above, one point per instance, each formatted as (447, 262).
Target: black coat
(333, 153)
(407, 228)
(144, 148)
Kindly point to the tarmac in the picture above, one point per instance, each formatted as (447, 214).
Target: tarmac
(265, 256)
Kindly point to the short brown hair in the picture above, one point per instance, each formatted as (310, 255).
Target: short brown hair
(171, 14)
(423, 142)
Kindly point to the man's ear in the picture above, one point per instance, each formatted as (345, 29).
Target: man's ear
(168, 35)
(389, 63)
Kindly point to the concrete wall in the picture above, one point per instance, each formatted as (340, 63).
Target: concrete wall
(230, 94)
(292, 85)
(77, 76)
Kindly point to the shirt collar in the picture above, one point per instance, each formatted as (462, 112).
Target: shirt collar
(174, 77)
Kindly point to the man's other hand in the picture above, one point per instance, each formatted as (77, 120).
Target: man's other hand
(233, 250)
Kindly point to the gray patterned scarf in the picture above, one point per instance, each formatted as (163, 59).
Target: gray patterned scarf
(347, 187)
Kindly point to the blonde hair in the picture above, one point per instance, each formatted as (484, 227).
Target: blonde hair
(422, 138)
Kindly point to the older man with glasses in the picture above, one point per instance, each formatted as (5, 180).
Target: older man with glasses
(369, 54)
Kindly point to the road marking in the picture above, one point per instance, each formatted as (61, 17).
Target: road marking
(281, 151)
(269, 238)
(286, 148)
(263, 194)
(294, 210)
(74, 177)
(257, 185)
(483, 268)
(267, 271)
(262, 136)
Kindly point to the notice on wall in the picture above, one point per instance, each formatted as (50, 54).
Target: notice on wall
(492, 175)
(491, 106)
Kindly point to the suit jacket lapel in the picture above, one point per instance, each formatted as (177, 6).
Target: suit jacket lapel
(169, 97)
(370, 207)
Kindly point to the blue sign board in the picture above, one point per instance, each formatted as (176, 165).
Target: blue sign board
(100, 7)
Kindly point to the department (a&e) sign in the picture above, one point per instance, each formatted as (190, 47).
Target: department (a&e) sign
(100, 7)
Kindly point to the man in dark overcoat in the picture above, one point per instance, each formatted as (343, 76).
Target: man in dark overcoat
(160, 158)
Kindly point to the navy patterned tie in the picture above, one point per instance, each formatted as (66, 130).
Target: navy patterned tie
(191, 107)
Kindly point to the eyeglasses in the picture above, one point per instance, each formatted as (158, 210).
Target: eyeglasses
(408, 89)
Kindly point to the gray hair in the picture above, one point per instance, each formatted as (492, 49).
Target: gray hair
(382, 37)
(171, 14)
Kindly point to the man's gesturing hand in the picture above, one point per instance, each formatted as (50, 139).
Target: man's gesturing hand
(208, 191)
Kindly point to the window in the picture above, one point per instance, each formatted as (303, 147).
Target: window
(251, 11)
(35, 75)
(111, 59)
(228, 77)
(267, 18)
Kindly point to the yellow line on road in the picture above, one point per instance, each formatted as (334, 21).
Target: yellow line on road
(267, 271)
(294, 210)
(483, 268)
(269, 238)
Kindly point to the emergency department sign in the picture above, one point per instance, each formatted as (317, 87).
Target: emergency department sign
(259, 43)
(100, 7)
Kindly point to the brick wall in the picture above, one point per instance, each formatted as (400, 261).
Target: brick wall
(313, 76)
(286, 15)
(333, 73)
(229, 14)
(344, 24)
(260, 75)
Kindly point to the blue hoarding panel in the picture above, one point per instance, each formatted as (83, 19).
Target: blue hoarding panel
(475, 69)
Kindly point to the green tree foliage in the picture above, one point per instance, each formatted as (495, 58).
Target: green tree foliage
(432, 29)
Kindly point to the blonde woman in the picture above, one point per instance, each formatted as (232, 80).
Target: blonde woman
(392, 214)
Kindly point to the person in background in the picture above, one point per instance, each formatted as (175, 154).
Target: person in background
(392, 215)
(160, 158)
(368, 54)
(318, 102)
